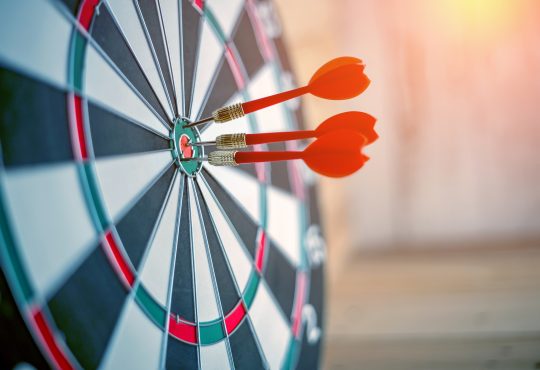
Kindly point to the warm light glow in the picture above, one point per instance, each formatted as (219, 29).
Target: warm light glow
(481, 18)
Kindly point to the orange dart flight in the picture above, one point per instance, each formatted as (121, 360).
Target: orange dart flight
(340, 78)
(359, 122)
(335, 154)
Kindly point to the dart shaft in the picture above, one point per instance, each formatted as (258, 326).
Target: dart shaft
(254, 157)
(255, 105)
(273, 137)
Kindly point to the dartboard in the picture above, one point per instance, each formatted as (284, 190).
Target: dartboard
(115, 253)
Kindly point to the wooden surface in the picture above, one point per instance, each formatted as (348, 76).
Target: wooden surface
(469, 309)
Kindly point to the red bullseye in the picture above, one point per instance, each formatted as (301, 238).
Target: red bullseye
(185, 148)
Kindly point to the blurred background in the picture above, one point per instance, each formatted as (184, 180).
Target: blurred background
(434, 247)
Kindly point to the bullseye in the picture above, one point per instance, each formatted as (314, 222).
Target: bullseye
(182, 140)
(185, 149)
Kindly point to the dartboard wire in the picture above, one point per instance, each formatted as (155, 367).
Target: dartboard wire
(199, 32)
(69, 89)
(194, 274)
(181, 40)
(209, 90)
(84, 33)
(162, 358)
(229, 44)
(28, 307)
(231, 271)
(212, 272)
(99, 238)
(167, 52)
(154, 55)
(135, 199)
(124, 36)
(233, 228)
(131, 295)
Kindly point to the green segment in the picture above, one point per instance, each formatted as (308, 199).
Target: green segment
(251, 288)
(10, 257)
(92, 191)
(292, 355)
(215, 25)
(77, 60)
(150, 306)
(211, 331)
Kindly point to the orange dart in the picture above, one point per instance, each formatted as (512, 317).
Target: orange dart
(340, 78)
(359, 122)
(335, 154)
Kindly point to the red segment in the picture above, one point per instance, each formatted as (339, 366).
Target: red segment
(86, 12)
(77, 106)
(182, 330)
(235, 317)
(259, 256)
(185, 148)
(235, 68)
(299, 302)
(199, 4)
(118, 260)
(56, 354)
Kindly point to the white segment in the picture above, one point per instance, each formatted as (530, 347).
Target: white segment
(273, 118)
(35, 38)
(207, 308)
(52, 225)
(226, 12)
(207, 63)
(214, 357)
(155, 272)
(235, 252)
(136, 342)
(243, 187)
(124, 177)
(171, 26)
(284, 212)
(235, 126)
(270, 327)
(127, 17)
(103, 84)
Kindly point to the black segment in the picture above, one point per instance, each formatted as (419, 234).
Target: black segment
(182, 303)
(191, 30)
(227, 290)
(181, 355)
(247, 45)
(16, 343)
(152, 17)
(244, 349)
(115, 135)
(34, 126)
(280, 170)
(280, 276)
(242, 222)
(136, 226)
(222, 89)
(86, 308)
(105, 31)
(72, 5)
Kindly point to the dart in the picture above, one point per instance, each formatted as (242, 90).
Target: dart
(359, 122)
(335, 154)
(339, 79)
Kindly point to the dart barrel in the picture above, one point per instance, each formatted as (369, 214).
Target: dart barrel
(222, 158)
(231, 141)
(228, 113)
